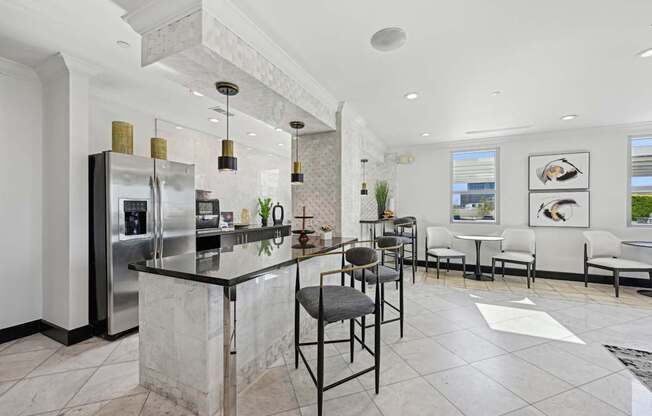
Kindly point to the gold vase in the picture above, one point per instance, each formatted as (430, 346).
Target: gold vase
(244, 216)
(122, 137)
(159, 148)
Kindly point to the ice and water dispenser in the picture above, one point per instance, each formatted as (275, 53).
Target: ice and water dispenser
(133, 222)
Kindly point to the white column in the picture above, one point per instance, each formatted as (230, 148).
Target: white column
(65, 82)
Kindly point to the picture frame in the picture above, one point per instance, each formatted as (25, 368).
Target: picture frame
(570, 209)
(559, 171)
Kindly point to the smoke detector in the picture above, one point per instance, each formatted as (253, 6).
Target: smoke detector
(388, 39)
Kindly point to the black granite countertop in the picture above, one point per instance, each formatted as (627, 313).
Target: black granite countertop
(238, 264)
(206, 232)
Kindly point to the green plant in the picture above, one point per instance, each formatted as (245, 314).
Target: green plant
(641, 206)
(382, 193)
(265, 248)
(485, 207)
(264, 207)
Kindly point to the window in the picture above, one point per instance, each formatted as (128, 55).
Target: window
(640, 181)
(474, 186)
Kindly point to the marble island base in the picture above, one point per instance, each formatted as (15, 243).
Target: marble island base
(182, 327)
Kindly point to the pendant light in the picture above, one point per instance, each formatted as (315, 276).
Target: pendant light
(363, 189)
(227, 162)
(297, 176)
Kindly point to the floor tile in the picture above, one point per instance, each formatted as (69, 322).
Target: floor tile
(508, 341)
(6, 385)
(127, 350)
(593, 352)
(43, 394)
(576, 403)
(84, 410)
(271, 393)
(110, 382)
(354, 405)
(623, 391)
(392, 368)
(474, 393)
(156, 405)
(431, 324)
(565, 366)
(33, 342)
(526, 411)
(426, 356)
(468, 346)
(522, 378)
(413, 398)
(78, 356)
(16, 366)
(335, 368)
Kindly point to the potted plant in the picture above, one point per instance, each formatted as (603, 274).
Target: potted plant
(382, 194)
(326, 232)
(264, 209)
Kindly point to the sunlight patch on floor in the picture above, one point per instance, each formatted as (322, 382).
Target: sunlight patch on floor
(526, 322)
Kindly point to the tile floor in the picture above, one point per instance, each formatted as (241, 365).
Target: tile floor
(470, 348)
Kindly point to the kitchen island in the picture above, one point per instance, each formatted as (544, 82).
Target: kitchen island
(187, 317)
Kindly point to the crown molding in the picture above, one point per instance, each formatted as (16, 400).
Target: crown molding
(17, 70)
(61, 64)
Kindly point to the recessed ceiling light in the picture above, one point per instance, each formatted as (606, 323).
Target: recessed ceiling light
(646, 53)
(388, 39)
(179, 128)
(568, 117)
(197, 94)
(281, 144)
(213, 120)
(251, 133)
(278, 129)
(496, 93)
(123, 44)
(411, 95)
(426, 134)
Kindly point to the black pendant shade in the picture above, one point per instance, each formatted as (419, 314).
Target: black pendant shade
(363, 188)
(227, 162)
(297, 176)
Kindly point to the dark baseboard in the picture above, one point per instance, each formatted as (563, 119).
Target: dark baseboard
(64, 336)
(546, 274)
(18, 331)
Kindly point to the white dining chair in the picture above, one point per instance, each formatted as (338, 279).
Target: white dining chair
(602, 250)
(439, 244)
(518, 247)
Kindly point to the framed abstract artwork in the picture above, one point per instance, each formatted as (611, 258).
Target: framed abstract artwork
(560, 171)
(560, 209)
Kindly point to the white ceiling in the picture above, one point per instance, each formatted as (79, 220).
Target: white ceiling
(549, 58)
(32, 30)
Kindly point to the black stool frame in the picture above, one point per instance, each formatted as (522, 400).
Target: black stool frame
(399, 231)
(380, 287)
(319, 379)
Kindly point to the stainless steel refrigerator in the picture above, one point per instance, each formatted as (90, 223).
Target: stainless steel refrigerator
(139, 208)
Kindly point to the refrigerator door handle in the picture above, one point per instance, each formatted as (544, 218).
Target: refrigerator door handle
(154, 215)
(161, 224)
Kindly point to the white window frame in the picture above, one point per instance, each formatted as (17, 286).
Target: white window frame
(496, 219)
(630, 223)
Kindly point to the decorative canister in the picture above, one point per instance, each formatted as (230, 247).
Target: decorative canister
(159, 148)
(244, 216)
(122, 137)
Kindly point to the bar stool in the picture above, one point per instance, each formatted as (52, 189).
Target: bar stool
(405, 228)
(328, 304)
(386, 274)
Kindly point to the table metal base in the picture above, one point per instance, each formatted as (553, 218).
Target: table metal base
(482, 277)
(645, 292)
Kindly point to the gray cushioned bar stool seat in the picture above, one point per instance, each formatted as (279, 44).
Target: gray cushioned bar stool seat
(340, 302)
(386, 274)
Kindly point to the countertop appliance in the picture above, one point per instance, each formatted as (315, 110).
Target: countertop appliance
(140, 209)
(207, 213)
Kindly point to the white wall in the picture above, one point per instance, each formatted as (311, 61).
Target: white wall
(425, 191)
(20, 188)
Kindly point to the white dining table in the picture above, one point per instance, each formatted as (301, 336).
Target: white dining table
(643, 244)
(478, 239)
